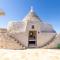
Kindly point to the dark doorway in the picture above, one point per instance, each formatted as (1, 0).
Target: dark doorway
(32, 42)
(32, 39)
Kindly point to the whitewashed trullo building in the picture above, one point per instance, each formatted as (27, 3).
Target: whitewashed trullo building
(31, 32)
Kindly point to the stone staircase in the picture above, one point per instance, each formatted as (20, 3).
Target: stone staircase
(17, 41)
(50, 41)
(9, 42)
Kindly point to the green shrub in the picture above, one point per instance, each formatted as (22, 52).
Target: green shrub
(58, 46)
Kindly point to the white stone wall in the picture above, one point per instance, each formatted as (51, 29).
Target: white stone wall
(43, 38)
(22, 37)
(8, 42)
(36, 26)
(55, 42)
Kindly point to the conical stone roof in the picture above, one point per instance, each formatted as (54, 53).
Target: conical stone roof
(31, 16)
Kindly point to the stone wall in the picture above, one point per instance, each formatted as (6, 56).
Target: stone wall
(8, 42)
(44, 38)
(55, 42)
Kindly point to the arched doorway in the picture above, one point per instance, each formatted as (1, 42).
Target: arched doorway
(32, 39)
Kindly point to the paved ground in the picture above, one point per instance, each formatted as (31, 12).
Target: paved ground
(30, 54)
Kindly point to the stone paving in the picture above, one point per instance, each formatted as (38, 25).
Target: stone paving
(30, 54)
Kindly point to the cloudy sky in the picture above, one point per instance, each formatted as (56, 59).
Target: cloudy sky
(47, 10)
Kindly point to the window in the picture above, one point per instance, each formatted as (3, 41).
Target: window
(32, 35)
(32, 26)
(38, 32)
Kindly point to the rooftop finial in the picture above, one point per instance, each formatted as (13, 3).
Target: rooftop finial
(32, 9)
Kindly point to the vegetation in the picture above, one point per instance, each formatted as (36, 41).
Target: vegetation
(58, 46)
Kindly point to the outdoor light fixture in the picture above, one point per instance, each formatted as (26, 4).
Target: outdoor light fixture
(2, 13)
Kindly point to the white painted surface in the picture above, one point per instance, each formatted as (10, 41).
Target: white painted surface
(30, 54)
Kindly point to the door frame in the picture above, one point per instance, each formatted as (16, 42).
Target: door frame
(35, 34)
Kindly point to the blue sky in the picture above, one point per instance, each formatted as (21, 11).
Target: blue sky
(47, 10)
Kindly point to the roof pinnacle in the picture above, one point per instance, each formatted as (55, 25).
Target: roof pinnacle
(32, 10)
